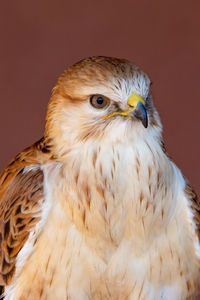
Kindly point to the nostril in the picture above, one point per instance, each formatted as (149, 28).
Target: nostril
(130, 105)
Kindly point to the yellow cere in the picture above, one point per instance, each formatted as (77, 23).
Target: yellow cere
(134, 99)
(132, 103)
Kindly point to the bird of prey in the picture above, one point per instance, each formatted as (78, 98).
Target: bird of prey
(96, 209)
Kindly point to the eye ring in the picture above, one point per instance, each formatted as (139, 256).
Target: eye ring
(99, 101)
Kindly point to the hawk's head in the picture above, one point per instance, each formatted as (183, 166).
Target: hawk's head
(101, 99)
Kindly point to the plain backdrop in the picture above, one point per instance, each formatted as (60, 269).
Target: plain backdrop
(39, 39)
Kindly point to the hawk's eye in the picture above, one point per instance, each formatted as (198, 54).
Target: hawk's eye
(99, 101)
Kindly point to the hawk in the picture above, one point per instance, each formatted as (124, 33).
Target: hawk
(96, 209)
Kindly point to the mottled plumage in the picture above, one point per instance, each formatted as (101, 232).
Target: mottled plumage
(96, 209)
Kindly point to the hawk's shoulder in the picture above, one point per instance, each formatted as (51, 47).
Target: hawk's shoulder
(21, 198)
(195, 206)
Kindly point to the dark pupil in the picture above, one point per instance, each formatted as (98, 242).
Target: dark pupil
(100, 100)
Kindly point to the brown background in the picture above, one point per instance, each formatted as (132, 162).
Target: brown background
(39, 39)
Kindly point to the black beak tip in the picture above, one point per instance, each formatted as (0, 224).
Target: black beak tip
(141, 114)
(145, 122)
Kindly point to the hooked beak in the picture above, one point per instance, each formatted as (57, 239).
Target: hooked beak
(136, 109)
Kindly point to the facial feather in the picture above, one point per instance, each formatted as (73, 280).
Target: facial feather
(70, 117)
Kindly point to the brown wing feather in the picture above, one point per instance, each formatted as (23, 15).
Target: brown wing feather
(21, 196)
(195, 206)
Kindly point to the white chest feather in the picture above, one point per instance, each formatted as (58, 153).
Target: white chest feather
(117, 229)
